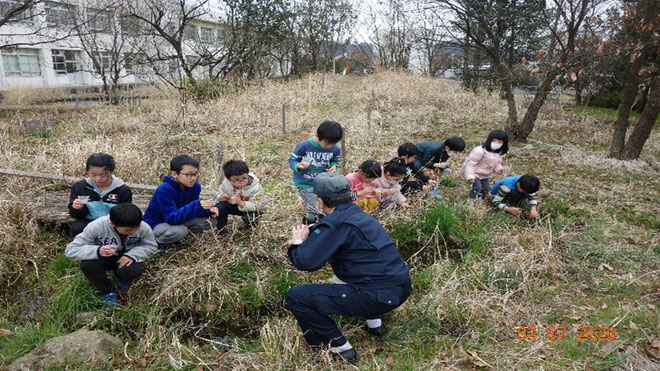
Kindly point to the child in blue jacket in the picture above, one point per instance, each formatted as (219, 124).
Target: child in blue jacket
(175, 208)
(514, 193)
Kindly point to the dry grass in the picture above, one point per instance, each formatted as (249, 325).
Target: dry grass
(237, 281)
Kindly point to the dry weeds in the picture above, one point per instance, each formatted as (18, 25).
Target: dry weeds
(194, 282)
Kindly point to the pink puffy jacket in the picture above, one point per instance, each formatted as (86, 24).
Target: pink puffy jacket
(481, 163)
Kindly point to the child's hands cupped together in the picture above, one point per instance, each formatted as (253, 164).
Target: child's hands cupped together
(207, 204)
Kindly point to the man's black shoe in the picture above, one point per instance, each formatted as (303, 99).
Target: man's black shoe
(377, 331)
(347, 355)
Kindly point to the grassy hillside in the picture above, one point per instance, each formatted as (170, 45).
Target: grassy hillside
(591, 260)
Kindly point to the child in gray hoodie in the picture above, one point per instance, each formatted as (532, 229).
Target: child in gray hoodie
(240, 194)
(119, 242)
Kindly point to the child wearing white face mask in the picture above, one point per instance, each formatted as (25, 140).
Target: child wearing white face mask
(388, 188)
(484, 160)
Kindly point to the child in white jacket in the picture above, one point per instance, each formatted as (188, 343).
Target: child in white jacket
(240, 194)
(484, 160)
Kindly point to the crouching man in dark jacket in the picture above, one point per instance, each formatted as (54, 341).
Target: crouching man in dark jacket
(361, 254)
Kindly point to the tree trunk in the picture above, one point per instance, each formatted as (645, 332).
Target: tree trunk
(627, 99)
(643, 128)
(520, 132)
(512, 119)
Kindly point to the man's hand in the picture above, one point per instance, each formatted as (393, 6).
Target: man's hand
(332, 169)
(223, 197)
(107, 250)
(513, 211)
(426, 188)
(77, 204)
(471, 181)
(299, 233)
(303, 165)
(124, 261)
(433, 183)
(207, 204)
(440, 165)
(533, 213)
(214, 212)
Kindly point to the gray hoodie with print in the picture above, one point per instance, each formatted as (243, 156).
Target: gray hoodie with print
(85, 246)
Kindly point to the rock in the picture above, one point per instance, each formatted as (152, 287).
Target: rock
(38, 125)
(77, 347)
(85, 318)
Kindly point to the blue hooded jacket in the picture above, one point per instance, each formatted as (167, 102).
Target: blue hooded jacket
(172, 205)
(357, 247)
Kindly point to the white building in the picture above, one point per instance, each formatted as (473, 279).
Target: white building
(40, 62)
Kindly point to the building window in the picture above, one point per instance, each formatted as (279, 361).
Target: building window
(65, 61)
(206, 34)
(98, 20)
(134, 63)
(59, 15)
(191, 32)
(23, 17)
(21, 62)
(102, 59)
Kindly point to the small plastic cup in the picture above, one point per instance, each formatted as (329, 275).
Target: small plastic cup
(83, 199)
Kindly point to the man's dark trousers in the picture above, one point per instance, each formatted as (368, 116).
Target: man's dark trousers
(313, 304)
(94, 271)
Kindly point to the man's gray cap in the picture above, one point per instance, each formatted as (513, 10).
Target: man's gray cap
(331, 185)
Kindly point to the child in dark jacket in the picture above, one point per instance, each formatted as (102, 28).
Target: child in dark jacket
(434, 155)
(175, 208)
(415, 179)
(92, 198)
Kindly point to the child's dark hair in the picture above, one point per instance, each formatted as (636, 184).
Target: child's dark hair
(126, 215)
(330, 131)
(407, 149)
(497, 134)
(177, 163)
(235, 167)
(395, 167)
(100, 160)
(455, 144)
(371, 168)
(529, 183)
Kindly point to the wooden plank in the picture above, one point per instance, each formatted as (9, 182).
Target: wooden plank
(68, 179)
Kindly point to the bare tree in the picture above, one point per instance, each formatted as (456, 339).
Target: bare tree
(166, 27)
(21, 19)
(642, 46)
(391, 34)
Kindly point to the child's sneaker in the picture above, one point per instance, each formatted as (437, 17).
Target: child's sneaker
(164, 249)
(110, 300)
(124, 285)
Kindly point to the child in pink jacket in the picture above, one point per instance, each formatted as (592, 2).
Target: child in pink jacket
(388, 184)
(361, 180)
(484, 160)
